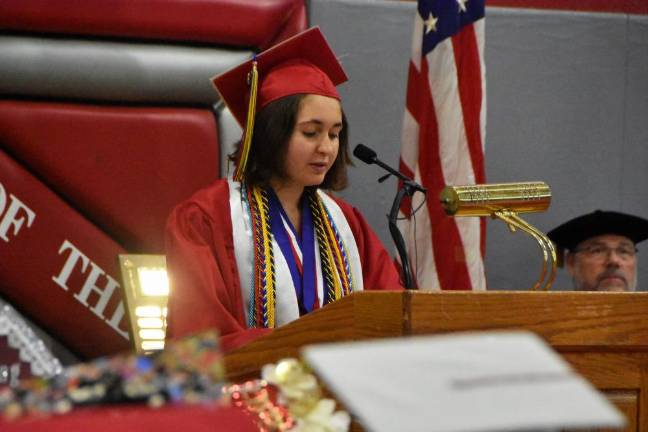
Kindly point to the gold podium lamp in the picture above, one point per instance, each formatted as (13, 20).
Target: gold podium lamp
(146, 290)
(505, 201)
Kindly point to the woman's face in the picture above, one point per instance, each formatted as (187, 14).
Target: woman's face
(314, 143)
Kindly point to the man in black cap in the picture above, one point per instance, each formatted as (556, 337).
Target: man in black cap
(600, 250)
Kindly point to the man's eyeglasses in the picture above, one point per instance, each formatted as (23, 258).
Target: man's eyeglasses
(600, 252)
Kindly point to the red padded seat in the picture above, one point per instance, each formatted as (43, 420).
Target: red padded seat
(90, 182)
(124, 168)
(45, 235)
(252, 23)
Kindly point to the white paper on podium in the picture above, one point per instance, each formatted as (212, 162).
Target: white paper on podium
(488, 381)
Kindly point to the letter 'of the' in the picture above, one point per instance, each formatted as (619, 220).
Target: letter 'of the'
(12, 216)
(66, 271)
(90, 285)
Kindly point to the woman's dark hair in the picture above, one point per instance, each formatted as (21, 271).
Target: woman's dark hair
(273, 127)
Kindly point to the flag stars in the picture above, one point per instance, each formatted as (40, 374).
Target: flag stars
(430, 23)
(462, 5)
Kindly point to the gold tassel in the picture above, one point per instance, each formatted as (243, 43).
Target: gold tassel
(253, 80)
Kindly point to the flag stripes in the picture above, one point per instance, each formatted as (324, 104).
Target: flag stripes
(443, 141)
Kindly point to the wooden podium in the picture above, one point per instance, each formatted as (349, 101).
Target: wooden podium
(603, 335)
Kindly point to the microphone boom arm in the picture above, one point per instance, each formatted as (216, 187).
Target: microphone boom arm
(407, 182)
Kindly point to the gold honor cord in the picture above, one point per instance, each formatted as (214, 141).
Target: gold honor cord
(253, 82)
(504, 201)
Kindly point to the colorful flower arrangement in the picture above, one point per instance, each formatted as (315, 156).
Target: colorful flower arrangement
(289, 398)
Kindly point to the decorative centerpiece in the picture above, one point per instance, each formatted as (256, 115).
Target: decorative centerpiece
(189, 371)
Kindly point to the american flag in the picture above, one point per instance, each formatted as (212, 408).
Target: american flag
(443, 141)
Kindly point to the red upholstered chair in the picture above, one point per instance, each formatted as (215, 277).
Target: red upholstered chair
(107, 120)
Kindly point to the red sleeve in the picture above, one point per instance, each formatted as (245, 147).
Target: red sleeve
(378, 270)
(205, 288)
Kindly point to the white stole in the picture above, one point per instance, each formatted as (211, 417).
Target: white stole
(286, 307)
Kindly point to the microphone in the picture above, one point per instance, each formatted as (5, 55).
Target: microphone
(409, 187)
(365, 154)
(368, 156)
(485, 199)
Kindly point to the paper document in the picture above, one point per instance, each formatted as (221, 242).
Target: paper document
(488, 381)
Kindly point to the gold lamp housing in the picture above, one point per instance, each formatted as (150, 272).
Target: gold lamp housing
(146, 290)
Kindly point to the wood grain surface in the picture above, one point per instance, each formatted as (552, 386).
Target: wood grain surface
(604, 336)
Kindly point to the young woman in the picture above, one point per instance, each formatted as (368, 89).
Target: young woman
(257, 251)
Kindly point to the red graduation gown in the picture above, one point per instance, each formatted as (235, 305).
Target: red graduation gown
(205, 284)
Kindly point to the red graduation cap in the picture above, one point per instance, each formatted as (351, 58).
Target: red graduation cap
(303, 64)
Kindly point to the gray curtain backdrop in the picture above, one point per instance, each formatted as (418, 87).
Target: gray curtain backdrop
(567, 104)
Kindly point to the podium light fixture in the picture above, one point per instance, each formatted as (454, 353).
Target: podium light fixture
(145, 287)
(505, 201)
